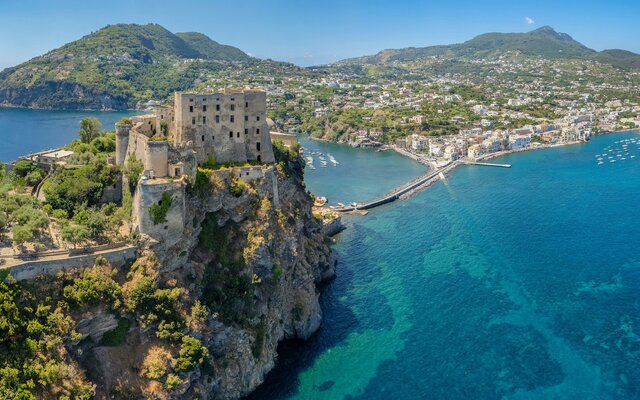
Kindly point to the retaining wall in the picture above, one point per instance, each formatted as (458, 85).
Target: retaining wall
(32, 269)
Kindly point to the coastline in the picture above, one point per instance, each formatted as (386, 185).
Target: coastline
(437, 172)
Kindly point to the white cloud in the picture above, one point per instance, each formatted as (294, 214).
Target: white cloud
(529, 21)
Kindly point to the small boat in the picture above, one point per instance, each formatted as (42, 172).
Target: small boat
(600, 163)
(612, 161)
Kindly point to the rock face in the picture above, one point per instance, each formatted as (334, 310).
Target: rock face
(282, 248)
(252, 252)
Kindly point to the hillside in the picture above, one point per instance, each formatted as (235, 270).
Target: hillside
(115, 68)
(543, 42)
(210, 49)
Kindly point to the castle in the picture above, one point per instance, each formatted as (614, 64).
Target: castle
(226, 127)
(222, 127)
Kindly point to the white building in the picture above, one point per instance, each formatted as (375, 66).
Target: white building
(519, 141)
(418, 142)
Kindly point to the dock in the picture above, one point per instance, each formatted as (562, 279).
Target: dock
(486, 164)
(413, 186)
(401, 191)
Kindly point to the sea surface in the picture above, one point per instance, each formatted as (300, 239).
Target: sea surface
(23, 130)
(360, 174)
(519, 283)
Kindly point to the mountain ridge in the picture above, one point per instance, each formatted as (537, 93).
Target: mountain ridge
(543, 42)
(115, 67)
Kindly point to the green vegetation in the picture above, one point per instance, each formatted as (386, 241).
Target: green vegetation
(227, 287)
(237, 187)
(192, 354)
(23, 215)
(89, 129)
(158, 212)
(124, 63)
(34, 362)
(133, 171)
(276, 271)
(25, 173)
(69, 188)
(94, 286)
(153, 305)
(117, 335)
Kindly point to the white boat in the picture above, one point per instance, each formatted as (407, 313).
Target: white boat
(612, 161)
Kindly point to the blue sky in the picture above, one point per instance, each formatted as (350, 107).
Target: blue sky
(315, 32)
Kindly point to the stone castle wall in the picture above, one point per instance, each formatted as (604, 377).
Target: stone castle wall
(148, 193)
(230, 126)
(32, 269)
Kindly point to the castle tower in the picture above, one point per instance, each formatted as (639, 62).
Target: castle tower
(156, 158)
(122, 142)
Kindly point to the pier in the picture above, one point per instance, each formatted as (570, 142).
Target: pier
(414, 185)
(486, 164)
(401, 191)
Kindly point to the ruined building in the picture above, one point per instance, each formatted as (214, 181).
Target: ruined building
(198, 128)
(224, 127)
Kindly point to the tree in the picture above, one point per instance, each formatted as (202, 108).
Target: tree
(89, 129)
(74, 234)
(3, 224)
(34, 177)
(93, 220)
(21, 234)
(134, 170)
(23, 167)
(192, 353)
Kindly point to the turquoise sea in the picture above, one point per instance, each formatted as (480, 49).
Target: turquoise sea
(519, 283)
(23, 130)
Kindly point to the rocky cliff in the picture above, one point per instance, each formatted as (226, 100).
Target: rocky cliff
(202, 316)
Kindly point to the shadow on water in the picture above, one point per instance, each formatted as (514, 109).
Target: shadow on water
(298, 355)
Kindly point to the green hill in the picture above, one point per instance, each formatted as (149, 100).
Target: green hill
(210, 49)
(115, 68)
(543, 42)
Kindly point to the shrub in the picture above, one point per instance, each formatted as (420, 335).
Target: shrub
(139, 295)
(277, 272)
(133, 171)
(192, 353)
(199, 314)
(172, 382)
(158, 212)
(23, 167)
(156, 363)
(210, 163)
(237, 187)
(117, 335)
(94, 286)
(34, 177)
